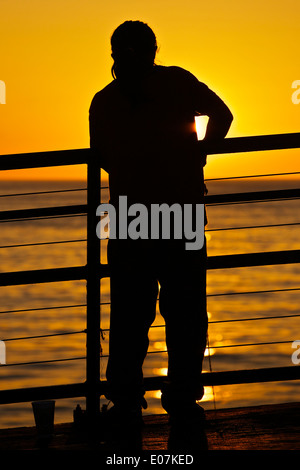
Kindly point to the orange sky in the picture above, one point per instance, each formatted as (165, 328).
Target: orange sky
(56, 54)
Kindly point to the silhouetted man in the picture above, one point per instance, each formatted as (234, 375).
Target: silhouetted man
(143, 126)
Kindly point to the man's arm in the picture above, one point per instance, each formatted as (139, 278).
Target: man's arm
(220, 119)
(208, 103)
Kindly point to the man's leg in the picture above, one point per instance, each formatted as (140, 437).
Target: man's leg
(183, 306)
(133, 307)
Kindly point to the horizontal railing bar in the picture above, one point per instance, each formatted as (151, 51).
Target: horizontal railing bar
(253, 259)
(213, 262)
(106, 330)
(49, 335)
(44, 212)
(253, 196)
(265, 343)
(44, 159)
(273, 374)
(42, 393)
(24, 245)
(269, 291)
(81, 156)
(267, 175)
(43, 192)
(251, 144)
(42, 308)
(231, 320)
(213, 199)
(43, 275)
(242, 260)
(224, 346)
(41, 218)
(275, 317)
(46, 361)
(163, 351)
(223, 229)
(237, 293)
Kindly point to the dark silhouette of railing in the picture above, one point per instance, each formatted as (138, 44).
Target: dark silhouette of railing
(93, 271)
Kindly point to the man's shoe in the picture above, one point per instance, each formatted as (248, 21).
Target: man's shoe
(123, 427)
(187, 425)
(187, 438)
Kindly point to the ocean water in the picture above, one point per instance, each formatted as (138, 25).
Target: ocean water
(46, 322)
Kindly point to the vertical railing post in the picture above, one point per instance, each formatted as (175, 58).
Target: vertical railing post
(93, 296)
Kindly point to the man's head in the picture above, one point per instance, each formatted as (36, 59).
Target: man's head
(133, 46)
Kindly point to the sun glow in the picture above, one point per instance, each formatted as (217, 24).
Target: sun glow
(201, 124)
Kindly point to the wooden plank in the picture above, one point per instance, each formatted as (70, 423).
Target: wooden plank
(266, 427)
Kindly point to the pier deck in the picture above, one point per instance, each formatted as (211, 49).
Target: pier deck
(267, 427)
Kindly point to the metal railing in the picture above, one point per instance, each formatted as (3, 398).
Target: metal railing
(94, 270)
